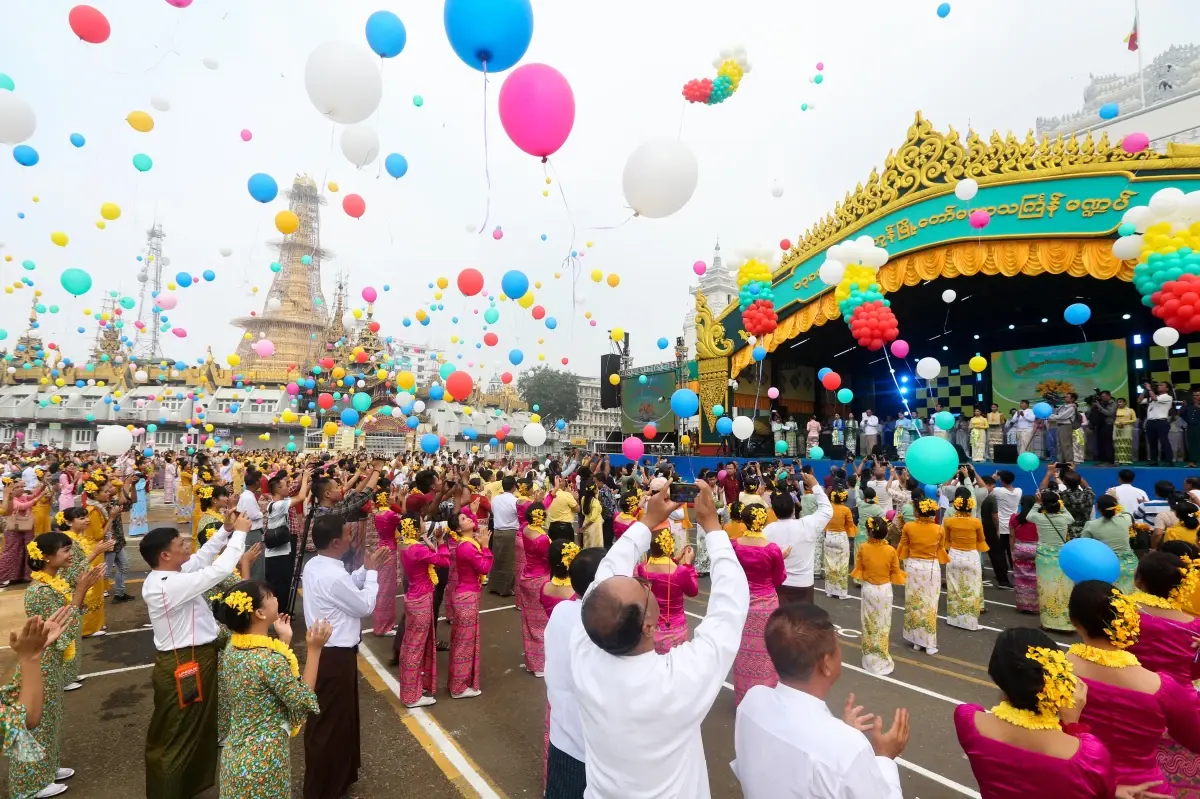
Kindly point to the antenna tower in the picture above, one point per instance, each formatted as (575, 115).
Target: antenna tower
(146, 344)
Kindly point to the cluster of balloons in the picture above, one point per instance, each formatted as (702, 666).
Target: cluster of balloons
(756, 298)
(1164, 237)
(731, 66)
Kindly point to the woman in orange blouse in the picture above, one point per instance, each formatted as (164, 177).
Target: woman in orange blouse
(735, 527)
(838, 533)
(921, 550)
(877, 566)
(964, 575)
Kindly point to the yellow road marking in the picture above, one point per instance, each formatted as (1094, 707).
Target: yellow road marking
(967, 663)
(926, 666)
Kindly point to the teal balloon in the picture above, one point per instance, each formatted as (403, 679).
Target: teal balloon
(491, 315)
(6, 82)
(275, 267)
(142, 162)
(306, 260)
(128, 303)
(931, 460)
(76, 281)
(814, 453)
(718, 410)
(643, 380)
(944, 421)
(446, 370)
(361, 402)
(845, 396)
(28, 265)
(781, 447)
(1027, 461)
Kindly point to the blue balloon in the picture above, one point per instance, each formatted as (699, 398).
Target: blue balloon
(489, 35)
(262, 187)
(514, 284)
(931, 460)
(551, 322)
(685, 403)
(1042, 410)
(25, 155)
(1089, 559)
(78, 140)
(396, 165)
(663, 343)
(1027, 461)
(643, 380)
(349, 417)
(758, 353)
(209, 275)
(515, 357)
(724, 426)
(386, 34)
(1109, 111)
(561, 424)
(470, 434)
(494, 442)
(183, 280)
(943, 11)
(1077, 313)
(430, 443)
(814, 453)
(822, 372)
(436, 392)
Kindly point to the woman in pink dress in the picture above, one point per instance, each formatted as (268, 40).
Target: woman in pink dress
(1029, 746)
(628, 515)
(1024, 537)
(534, 575)
(14, 566)
(763, 563)
(384, 619)
(68, 481)
(528, 512)
(418, 659)
(170, 476)
(1164, 588)
(472, 562)
(670, 582)
(558, 589)
(1129, 708)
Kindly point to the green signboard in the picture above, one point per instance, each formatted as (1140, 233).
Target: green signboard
(1086, 205)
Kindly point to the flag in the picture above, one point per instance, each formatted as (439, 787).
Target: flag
(1132, 39)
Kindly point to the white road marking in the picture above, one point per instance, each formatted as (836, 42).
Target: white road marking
(115, 671)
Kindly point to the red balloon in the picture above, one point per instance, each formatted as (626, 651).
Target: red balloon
(361, 357)
(538, 312)
(564, 361)
(491, 339)
(373, 326)
(785, 244)
(500, 434)
(650, 431)
(459, 385)
(326, 363)
(325, 401)
(506, 378)
(89, 24)
(470, 282)
(832, 381)
(354, 206)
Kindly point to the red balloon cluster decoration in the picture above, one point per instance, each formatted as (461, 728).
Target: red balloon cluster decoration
(697, 90)
(874, 325)
(760, 318)
(1177, 303)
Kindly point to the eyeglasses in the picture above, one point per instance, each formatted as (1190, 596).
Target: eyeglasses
(644, 583)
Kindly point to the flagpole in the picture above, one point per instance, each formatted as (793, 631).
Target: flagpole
(1137, 27)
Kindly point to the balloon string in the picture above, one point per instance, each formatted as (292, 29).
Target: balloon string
(486, 169)
(378, 114)
(903, 399)
(614, 227)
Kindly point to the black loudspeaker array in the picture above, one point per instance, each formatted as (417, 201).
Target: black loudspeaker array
(610, 395)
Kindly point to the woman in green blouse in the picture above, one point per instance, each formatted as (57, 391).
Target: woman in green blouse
(1111, 527)
(1054, 588)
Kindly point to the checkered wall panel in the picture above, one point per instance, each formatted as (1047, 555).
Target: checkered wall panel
(955, 392)
(1182, 371)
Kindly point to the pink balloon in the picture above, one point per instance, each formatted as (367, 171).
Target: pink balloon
(633, 448)
(497, 234)
(820, 66)
(773, 392)
(592, 322)
(179, 3)
(246, 135)
(264, 347)
(293, 389)
(369, 294)
(900, 348)
(699, 267)
(166, 301)
(721, 474)
(179, 332)
(979, 219)
(537, 109)
(1135, 142)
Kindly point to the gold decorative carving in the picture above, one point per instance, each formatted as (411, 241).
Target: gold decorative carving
(713, 378)
(710, 335)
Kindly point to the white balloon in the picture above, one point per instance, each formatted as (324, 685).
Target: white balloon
(166, 261)
(966, 189)
(534, 435)
(360, 144)
(865, 241)
(752, 340)
(343, 82)
(831, 272)
(876, 257)
(1166, 201)
(141, 376)
(160, 103)
(225, 252)
(17, 120)
(1140, 217)
(743, 428)
(113, 440)
(1190, 207)
(834, 253)
(142, 277)
(210, 62)
(776, 189)
(949, 295)
(274, 304)
(929, 368)
(660, 177)
(418, 406)
(1166, 336)
(1128, 247)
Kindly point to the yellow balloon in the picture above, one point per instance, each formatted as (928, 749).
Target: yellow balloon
(685, 440)
(508, 445)
(288, 416)
(254, 289)
(87, 311)
(535, 418)
(110, 211)
(208, 442)
(614, 379)
(333, 186)
(8, 257)
(437, 295)
(55, 399)
(589, 244)
(454, 339)
(475, 448)
(286, 222)
(421, 315)
(59, 238)
(557, 275)
(587, 314)
(104, 316)
(208, 428)
(306, 421)
(613, 280)
(442, 282)
(541, 356)
(329, 429)
(35, 198)
(140, 121)
(406, 380)
(338, 373)
(618, 334)
(357, 313)
(541, 341)
(537, 285)
(171, 286)
(547, 181)
(100, 224)
(247, 336)
(597, 275)
(545, 194)
(381, 374)
(978, 363)
(527, 300)
(233, 360)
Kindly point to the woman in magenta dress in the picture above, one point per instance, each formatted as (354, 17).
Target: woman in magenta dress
(763, 563)
(472, 563)
(529, 586)
(1129, 708)
(18, 505)
(670, 582)
(1024, 538)
(558, 589)
(524, 503)
(1165, 584)
(418, 660)
(1028, 746)
(628, 515)
(386, 521)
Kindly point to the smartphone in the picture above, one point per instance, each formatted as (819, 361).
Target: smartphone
(187, 684)
(684, 492)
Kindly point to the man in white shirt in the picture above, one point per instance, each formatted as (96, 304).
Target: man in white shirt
(800, 535)
(566, 776)
(1130, 496)
(1022, 422)
(1159, 403)
(870, 431)
(1008, 498)
(247, 506)
(226, 470)
(503, 578)
(29, 476)
(641, 711)
(825, 757)
(331, 739)
(181, 742)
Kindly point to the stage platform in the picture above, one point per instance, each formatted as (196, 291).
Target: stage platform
(1100, 479)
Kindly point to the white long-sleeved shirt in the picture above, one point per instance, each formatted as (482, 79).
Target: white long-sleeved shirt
(178, 601)
(504, 511)
(566, 730)
(247, 505)
(1023, 419)
(826, 758)
(341, 599)
(801, 535)
(870, 425)
(1159, 407)
(641, 714)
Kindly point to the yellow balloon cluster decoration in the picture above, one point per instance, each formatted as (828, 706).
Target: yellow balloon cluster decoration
(753, 271)
(858, 277)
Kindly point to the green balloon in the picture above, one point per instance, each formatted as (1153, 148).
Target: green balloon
(127, 303)
(76, 281)
(491, 315)
(931, 460)
(142, 162)
(361, 402)
(53, 309)
(446, 370)
(6, 82)
(418, 100)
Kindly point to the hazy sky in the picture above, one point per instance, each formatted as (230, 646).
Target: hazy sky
(995, 64)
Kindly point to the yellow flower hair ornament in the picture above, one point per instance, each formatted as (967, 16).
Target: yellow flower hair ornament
(382, 500)
(90, 487)
(35, 552)
(204, 492)
(1183, 593)
(570, 550)
(964, 504)
(665, 540)
(927, 506)
(1117, 509)
(217, 597)
(537, 516)
(1126, 627)
(408, 529)
(60, 519)
(240, 602)
(839, 496)
(1060, 680)
(758, 518)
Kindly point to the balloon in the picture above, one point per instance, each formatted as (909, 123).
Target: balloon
(142, 162)
(210, 62)
(1109, 110)
(944, 420)
(396, 165)
(360, 144)
(6, 83)
(25, 155)
(459, 385)
(110, 211)
(354, 205)
(386, 34)
(660, 177)
(430, 443)
(166, 301)
(1166, 336)
(349, 417)
(1027, 461)
(343, 82)
(264, 347)
(1083, 559)
(1077, 313)
(929, 368)
(489, 35)
(724, 425)
(515, 357)
(114, 440)
(1135, 142)
(77, 139)
(470, 282)
(361, 402)
(514, 284)
(76, 281)
(816, 453)
(979, 219)
(369, 294)
(537, 109)
(1042, 410)
(966, 189)
(758, 353)
(534, 435)
(781, 447)
(900, 348)
(831, 272)
(178, 332)
(1128, 248)
(246, 135)
(743, 428)
(262, 187)
(286, 222)
(776, 188)
(977, 363)
(949, 296)
(633, 448)
(17, 120)
(699, 267)
(943, 10)
(160, 103)
(685, 403)
(59, 238)
(140, 121)
(931, 460)
(845, 396)
(89, 24)
(832, 380)
(773, 393)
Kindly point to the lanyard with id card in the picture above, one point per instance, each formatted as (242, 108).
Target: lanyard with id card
(188, 685)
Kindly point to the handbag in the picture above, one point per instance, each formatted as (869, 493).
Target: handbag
(277, 536)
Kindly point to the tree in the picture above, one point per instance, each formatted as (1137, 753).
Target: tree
(555, 393)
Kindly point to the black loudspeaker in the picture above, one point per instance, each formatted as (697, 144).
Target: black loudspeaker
(825, 441)
(836, 452)
(1004, 453)
(610, 395)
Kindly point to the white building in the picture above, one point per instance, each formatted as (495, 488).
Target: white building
(593, 422)
(419, 359)
(719, 286)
